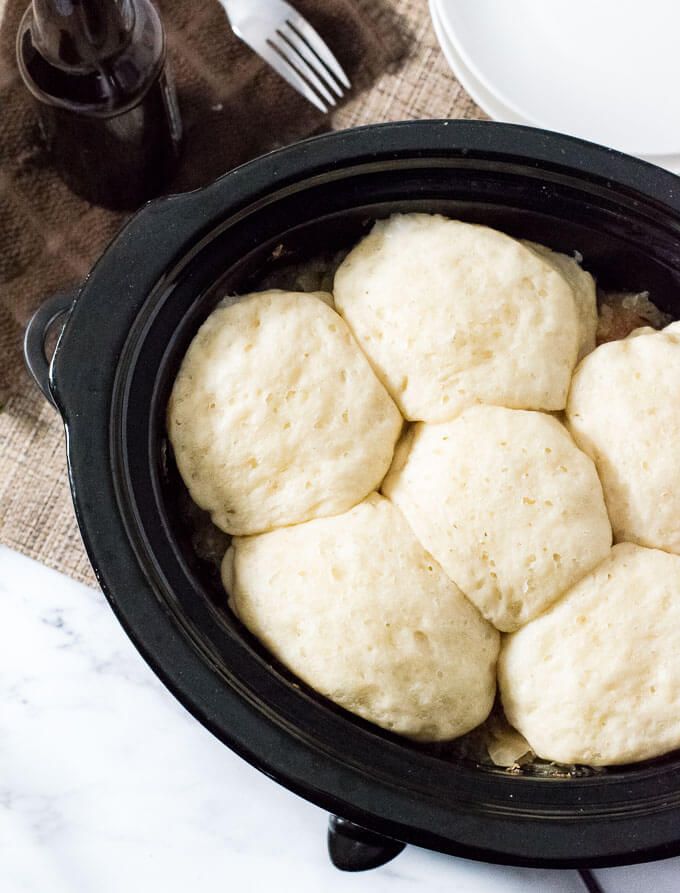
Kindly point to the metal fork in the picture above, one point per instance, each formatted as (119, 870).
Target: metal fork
(288, 43)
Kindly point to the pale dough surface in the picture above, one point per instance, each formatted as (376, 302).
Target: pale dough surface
(276, 416)
(451, 314)
(357, 608)
(623, 411)
(596, 679)
(508, 505)
(585, 293)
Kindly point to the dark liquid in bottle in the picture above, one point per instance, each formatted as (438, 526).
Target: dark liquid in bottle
(107, 106)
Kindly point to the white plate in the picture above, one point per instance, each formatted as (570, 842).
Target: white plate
(604, 70)
(484, 99)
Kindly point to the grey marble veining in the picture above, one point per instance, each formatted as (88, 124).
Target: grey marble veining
(108, 785)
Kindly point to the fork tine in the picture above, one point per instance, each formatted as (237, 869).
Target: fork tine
(305, 30)
(280, 42)
(287, 72)
(302, 47)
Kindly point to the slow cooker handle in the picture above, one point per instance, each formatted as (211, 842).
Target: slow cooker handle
(35, 337)
(354, 848)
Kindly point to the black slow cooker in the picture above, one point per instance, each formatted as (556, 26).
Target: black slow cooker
(110, 377)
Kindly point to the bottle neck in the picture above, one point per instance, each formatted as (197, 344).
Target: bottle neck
(81, 33)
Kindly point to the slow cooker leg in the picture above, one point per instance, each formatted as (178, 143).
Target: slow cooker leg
(353, 848)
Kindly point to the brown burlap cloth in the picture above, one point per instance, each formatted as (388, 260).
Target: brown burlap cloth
(234, 108)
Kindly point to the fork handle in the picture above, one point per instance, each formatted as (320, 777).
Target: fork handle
(235, 9)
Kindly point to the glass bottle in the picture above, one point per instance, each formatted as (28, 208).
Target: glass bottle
(106, 103)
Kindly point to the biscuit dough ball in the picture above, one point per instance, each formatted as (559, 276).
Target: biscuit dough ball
(276, 416)
(596, 679)
(508, 505)
(585, 293)
(355, 607)
(451, 314)
(623, 411)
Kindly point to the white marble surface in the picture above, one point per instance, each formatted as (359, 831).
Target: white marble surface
(108, 785)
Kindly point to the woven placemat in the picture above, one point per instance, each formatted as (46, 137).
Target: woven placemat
(49, 238)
